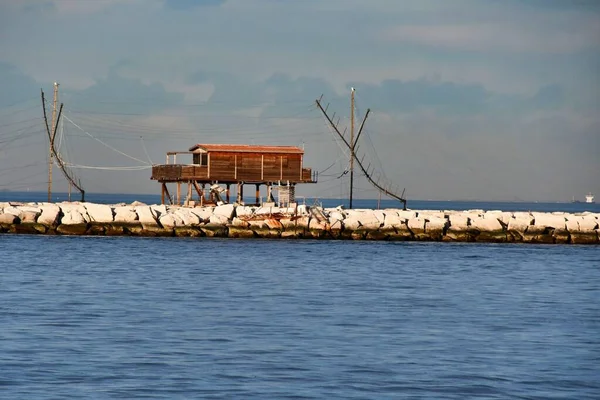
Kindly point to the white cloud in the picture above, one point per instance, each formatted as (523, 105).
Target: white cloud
(502, 36)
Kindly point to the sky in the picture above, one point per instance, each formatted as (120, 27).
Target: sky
(470, 99)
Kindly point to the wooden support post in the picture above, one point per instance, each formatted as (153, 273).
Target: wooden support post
(167, 193)
(257, 194)
(162, 193)
(189, 194)
(228, 192)
(269, 194)
(198, 190)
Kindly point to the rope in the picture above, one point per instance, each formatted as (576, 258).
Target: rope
(104, 144)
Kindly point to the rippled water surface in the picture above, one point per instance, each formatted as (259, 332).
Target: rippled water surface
(98, 317)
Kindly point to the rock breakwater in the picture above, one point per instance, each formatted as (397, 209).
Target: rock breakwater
(236, 221)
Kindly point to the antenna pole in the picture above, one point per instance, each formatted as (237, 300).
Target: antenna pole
(352, 145)
(52, 135)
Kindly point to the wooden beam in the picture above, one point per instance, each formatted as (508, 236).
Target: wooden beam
(167, 193)
(257, 194)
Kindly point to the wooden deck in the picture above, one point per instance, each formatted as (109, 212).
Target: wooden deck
(252, 174)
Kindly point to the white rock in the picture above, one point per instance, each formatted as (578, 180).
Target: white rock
(416, 224)
(218, 219)
(429, 214)
(460, 221)
(549, 220)
(158, 210)
(145, 215)
(241, 211)
(266, 210)
(125, 214)
(203, 213)
(407, 214)
(393, 220)
(226, 210)
(73, 217)
(171, 220)
(16, 211)
(371, 219)
(31, 208)
(503, 216)
(581, 223)
(352, 220)
(76, 207)
(100, 213)
(49, 216)
(486, 224)
(436, 223)
(520, 221)
(589, 223)
(8, 218)
(335, 217)
(187, 217)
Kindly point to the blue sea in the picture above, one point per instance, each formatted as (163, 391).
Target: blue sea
(201, 318)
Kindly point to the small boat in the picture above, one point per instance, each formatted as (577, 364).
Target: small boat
(589, 198)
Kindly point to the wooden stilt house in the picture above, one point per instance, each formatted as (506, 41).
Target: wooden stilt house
(276, 167)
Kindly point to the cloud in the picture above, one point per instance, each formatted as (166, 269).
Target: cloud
(506, 36)
(406, 96)
(118, 94)
(16, 85)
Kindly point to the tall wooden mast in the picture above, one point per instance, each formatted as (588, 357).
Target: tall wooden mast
(387, 188)
(352, 143)
(51, 147)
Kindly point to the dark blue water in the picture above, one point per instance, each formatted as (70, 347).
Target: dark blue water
(174, 318)
(114, 198)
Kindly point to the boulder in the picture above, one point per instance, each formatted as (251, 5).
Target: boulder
(435, 227)
(73, 217)
(50, 215)
(77, 208)
(518, 224)
(203, 213)
(99, 213)
(352, 221)
(8, 219)
(171, 220)
(545, 220)
(188, 218)
(336, 219)
(459, 228)
(72, 223)
(226, 210)
(243, 211)
(489, 229)
(13, 211)
(125, 214)
(372, 220)
(417, 227)
(29, 217)
(145, 216)
(158, 210)
(217, 219)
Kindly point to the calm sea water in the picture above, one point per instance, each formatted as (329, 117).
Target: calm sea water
(177, 318)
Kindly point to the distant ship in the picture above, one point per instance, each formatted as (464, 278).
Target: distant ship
(589, 198)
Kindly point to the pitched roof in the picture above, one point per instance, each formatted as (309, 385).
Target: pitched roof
(247, 148)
